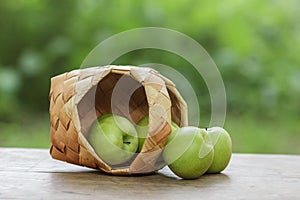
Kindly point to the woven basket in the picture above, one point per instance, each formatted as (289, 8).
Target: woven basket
(79, 97)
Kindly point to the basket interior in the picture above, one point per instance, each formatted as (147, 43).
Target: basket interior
(117, 94)
(112, 94)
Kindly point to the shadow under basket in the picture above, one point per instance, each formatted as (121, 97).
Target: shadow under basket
(79, 97)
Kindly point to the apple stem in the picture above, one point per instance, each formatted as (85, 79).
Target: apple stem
(126, 142)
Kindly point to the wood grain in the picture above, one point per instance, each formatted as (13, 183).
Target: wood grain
(33, 174)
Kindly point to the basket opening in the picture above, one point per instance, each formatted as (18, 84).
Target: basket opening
(117, 94)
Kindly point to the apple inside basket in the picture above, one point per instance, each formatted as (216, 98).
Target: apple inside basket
(78, 98)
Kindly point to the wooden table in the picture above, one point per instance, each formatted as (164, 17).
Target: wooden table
(33, 174)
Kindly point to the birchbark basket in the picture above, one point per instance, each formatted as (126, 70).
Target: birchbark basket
(79, 97)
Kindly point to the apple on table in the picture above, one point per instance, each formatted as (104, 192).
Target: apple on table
(222, 144)
(192, 151)
(189, 153)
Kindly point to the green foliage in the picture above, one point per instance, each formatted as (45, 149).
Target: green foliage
(255, 45)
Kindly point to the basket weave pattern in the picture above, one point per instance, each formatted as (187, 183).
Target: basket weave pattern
(79, 97)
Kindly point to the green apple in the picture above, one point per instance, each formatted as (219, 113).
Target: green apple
(222, 149)
(114, 139)
(142, 130)
(190, 153)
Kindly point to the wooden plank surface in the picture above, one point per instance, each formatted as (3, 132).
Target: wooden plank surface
(33, 174)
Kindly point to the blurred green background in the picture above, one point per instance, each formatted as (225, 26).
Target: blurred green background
(255, 44)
